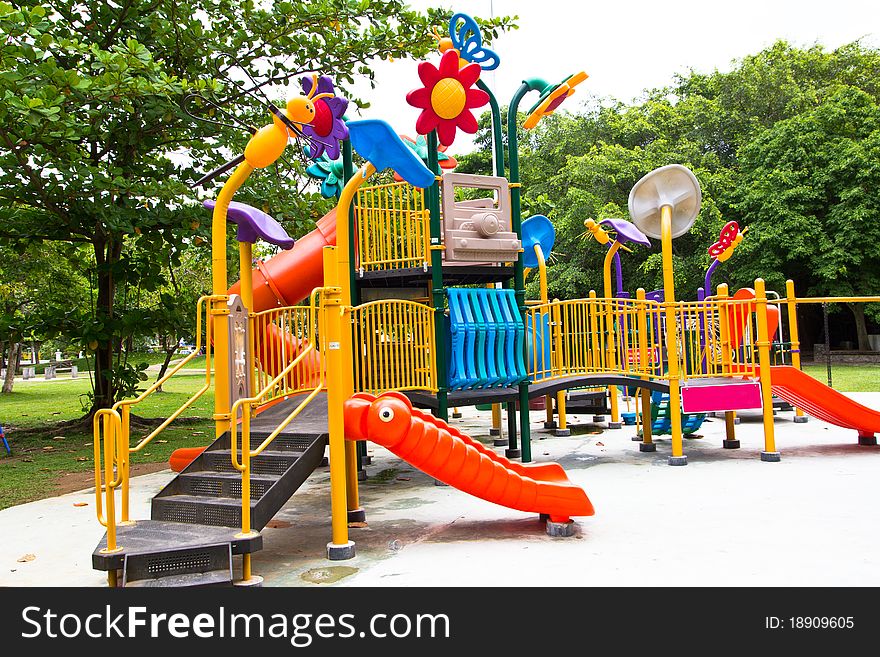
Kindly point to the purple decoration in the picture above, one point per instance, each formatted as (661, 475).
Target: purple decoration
(255, 224)
(619, 271)
(626, 232)
(707, 284)
(328, 128)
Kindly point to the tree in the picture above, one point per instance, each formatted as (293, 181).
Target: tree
(173, 314)
(784, 143)
(811, 189)
(39, 287)
(92, 133)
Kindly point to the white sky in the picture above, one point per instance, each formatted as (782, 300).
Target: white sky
(625, 46)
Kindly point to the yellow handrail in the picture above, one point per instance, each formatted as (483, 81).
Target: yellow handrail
(149, 391)
(799, 300)
(115, 422)
(246, 406)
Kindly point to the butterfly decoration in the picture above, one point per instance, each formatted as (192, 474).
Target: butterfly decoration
(468, 41)
(729, 238)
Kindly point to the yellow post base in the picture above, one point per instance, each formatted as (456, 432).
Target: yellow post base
(647, 444)
(730, 442)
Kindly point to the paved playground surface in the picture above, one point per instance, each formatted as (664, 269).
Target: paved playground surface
(726, 519)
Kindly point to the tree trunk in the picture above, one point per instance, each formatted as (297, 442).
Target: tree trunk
(11, 366)
(858, 311)
(107, 252)
(169, 354)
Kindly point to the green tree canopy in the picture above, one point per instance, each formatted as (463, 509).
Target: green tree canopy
(93, 137)
(784, 143)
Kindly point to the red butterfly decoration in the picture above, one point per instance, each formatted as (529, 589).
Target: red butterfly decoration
(726, 239)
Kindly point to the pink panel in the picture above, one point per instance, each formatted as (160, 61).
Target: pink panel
(724, 397)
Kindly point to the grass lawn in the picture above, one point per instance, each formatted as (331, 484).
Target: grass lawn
(847, 378)
(151, 358)
(47, 459)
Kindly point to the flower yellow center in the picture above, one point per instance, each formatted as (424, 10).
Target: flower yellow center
(448, 98)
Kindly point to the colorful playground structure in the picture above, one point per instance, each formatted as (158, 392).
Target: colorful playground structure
(408, 299)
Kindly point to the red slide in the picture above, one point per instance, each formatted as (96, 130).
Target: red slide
(456, 459)
(823, 402)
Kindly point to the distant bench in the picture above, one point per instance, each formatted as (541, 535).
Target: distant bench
(52, 369)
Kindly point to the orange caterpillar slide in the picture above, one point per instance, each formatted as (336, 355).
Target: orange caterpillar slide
(450, 456)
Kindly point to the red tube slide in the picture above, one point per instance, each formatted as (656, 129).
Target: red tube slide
(290, 276)
(458, 460)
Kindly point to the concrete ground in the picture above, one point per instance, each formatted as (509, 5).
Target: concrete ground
(726, 519)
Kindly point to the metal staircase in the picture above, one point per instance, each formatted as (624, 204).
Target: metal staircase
(208, 491)
(195, 525)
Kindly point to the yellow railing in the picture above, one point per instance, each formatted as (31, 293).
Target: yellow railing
(628, 337)
(392, 227)
(112, 428)
(394, 346)
(717, 338)
(244, 408)
(278, 336)
(594, 336)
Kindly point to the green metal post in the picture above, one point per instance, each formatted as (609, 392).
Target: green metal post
(347, 173)
(516, 221)
(497, 133)
(438, 294)
(512, 451)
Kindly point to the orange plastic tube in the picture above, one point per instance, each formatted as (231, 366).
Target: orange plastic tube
(182, 457)
(738, 314)
(454, 458)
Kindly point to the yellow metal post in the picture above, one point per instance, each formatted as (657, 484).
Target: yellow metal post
(343, 267)
(246, 529)
(110, 440)
(763, 344)
(669, 308)
(647, 444)
(124, 462)
(730, 441)
(610, 317)
(340, 546)
(219, 285)
(246, 275)
(549, 422)
(495, 431)
(557, 354)
(246, 290)
(794, 338)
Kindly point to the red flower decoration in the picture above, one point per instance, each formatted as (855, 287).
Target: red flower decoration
(447, 98)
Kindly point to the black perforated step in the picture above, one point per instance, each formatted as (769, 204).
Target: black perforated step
(205, 565)
(223, 484)
(198, 510)
(202, 505)
(269, 462)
